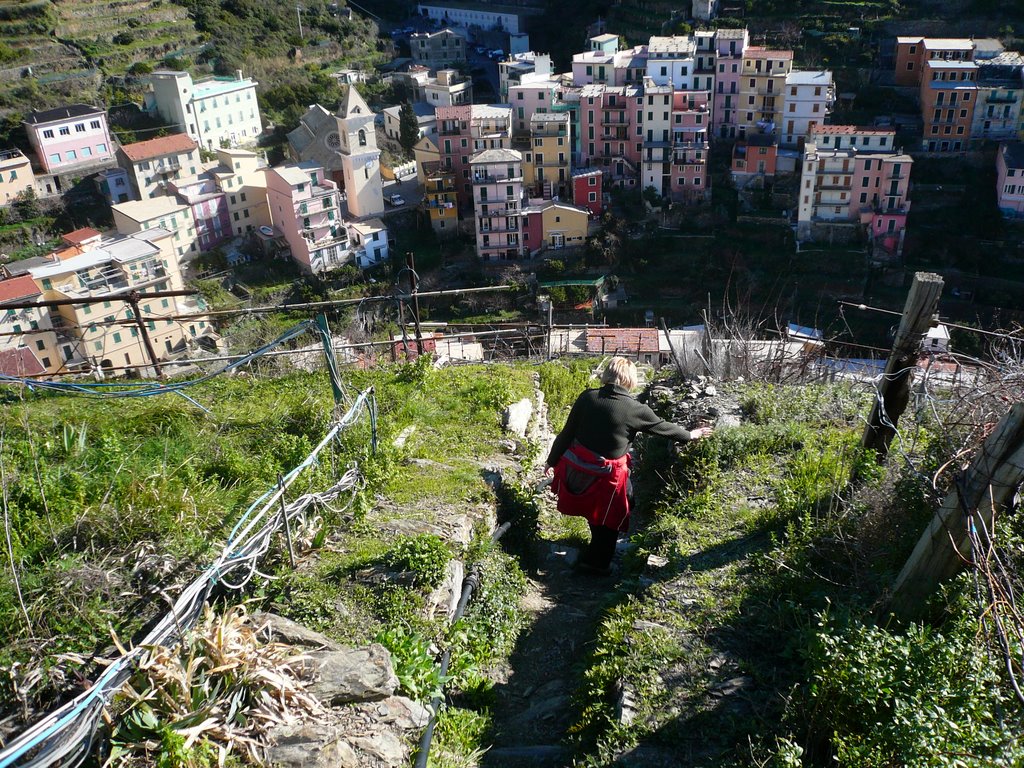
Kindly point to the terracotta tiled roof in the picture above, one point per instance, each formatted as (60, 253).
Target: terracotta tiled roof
(20, 362)
(628, 341)
(165, 145)
(79, 236)
(21, 287)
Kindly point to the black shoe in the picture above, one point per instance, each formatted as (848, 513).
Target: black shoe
(591, 570)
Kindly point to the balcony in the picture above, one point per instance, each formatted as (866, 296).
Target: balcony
(167, 166)
(1001, 98)
(480, 178)
(609, 120)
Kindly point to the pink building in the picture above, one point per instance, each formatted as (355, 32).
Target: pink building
(209, 207)
(587, 188)
(304, 207)
(498, 198)
(611, 138)
(730, 45)
(691, 119)
(464, 130)
(855, 175)
(1010, 179)
(605, 64)
(69, 138)
(535, 94)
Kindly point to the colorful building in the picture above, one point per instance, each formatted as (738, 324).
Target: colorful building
(215, 111)
(28, 341)
(762, 89)
(547, 156)
(808, 100)
(152, 164)
(369, 242)
(997, 111)
(853, 175)
(554, 225)
(465, 130)
(611, 136)
(587, 190)
(16, 175)
(240, 176)
(440, 201)
(754, 159)
(355, 140)
(69, 138)
(1010, 179)
(948, 92)
(165, 213)
(304, 208)
(497, 197)
(729, 47)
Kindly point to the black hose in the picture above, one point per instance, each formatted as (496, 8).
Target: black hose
(472, 582)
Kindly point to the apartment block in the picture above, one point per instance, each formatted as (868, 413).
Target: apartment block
(605, 64)
(28, 343)
(103, 335)
(215, 111)
(448, 88)
(808, 101)
(239, 175)
(754, 159)
(853, 175)
(611, 131)
(997, 111)
(547, 156)
(369, 242)
(151, 164)
(16, 175)
(762, 89)
(672, 61)
(1010, 179)
(426, 120)
(729, 47)
(70, 138)
(165, 213)
(304, 208)
(512, 70)
(440, 200)
(465, 130)
(534, 94)
(497, 199)
(913, 51)
(434, 50)
(948, 91)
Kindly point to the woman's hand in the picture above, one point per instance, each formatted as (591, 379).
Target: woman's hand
(699, 432)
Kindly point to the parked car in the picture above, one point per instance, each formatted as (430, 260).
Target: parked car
(395, 200)
(497, 53)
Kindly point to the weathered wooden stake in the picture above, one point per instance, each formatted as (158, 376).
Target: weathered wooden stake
(672, 347)
(894, 389)
(988, 484)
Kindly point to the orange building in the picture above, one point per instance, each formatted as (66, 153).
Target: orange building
(949, 91)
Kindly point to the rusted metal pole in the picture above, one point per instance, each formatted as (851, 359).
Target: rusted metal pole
(133, 299)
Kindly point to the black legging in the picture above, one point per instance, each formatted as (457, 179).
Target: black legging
(601, 548)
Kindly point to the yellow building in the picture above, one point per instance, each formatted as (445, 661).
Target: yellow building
(164, 213)
(554, 225)
(425, 152)
(240, 177)
(15, 175)
(762, 89)
(547, 156)
(104, 335)
(440, 201)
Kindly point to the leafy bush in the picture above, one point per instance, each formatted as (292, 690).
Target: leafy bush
(921, 697)
(424, 555)
(418, 674)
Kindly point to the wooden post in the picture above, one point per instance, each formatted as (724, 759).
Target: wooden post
(894, 389)
(672, 347)
(988, 484)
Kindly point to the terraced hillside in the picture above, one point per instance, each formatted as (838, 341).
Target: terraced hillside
(55, 50)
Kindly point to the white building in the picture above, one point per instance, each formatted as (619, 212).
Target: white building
(466, 15)
(426, 120)
(447, 89)
(368, 241)
(808, 99)
(671, 61)
(215, 111)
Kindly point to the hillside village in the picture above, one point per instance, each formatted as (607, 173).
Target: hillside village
(536, 174)
(345, 273)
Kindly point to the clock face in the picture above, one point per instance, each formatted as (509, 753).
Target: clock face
(333, 140)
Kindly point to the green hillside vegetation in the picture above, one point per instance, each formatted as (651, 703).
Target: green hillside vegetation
(760, 640)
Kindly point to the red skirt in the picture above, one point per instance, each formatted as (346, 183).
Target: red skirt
(590, 486)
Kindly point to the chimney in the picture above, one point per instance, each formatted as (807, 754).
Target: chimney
(238, 74)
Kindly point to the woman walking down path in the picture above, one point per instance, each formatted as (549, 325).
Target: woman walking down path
(590, 458)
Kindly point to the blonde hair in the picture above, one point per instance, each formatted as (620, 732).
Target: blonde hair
(620, 372)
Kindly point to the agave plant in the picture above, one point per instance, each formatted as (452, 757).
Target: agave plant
(217, 692)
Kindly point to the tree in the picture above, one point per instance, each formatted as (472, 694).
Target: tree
(408, 127)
